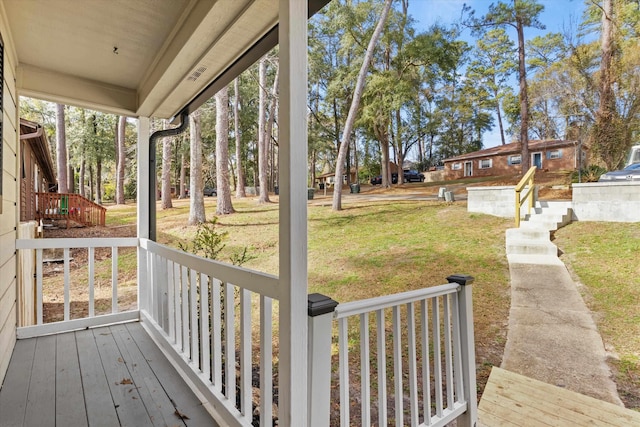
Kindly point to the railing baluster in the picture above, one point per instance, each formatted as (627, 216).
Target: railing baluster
(397, 365)
(204, 325)
(447, 350)
(164, 289)
(217, 334)
(437, 358)
(365, 377)
(457, 359)
(67, 285)
(426, 368)
(193, 310)
(171, 300)
(38, 286)
(184, 302)
(177, 286)
(229, 342)
(91, 258)
(114, 279)
(266, 357)
(343, 344)
(411, 359)
(245, 354)
(382, 368)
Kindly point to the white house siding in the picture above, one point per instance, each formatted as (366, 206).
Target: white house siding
(8, 217)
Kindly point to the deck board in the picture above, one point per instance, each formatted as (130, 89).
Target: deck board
(514, 400)
(13, 405)
(68, 383)
(41, 402)
(160, 409)
(183, 397)
(97, 396)
(49, 377)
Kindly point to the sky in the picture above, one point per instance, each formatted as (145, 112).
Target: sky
(557, 16)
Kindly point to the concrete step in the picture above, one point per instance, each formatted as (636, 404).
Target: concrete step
(527, 246)
(528, 233)
(547, 225)
(553, 204)
(534, 259)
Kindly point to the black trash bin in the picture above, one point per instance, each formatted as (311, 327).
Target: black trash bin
(276, 190)
(310, 193)
(355, 188)
(321, 185)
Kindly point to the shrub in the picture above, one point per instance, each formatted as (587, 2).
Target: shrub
(588, 174)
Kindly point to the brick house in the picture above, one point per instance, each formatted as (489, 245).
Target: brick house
(550, 155)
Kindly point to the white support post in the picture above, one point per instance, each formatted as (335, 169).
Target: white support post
(292, 382)
(470, 417)
(143, 195)
(320, 311)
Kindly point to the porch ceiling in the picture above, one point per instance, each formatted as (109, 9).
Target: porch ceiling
(143, 57)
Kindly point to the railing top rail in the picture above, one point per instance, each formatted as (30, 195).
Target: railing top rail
(57, 196)
(62, 243)
(527, 176)
(254, 281)
(387, 301)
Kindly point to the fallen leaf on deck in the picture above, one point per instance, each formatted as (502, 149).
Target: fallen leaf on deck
(181, 415)
(126, 381)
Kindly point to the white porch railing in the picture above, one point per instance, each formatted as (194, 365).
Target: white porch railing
(201, 313)
(432, 365)
(215, 322)
(78, 322)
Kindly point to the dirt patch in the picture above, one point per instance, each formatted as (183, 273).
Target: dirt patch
(53, 275)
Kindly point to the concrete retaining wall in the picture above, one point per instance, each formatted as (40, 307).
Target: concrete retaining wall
(606, 201)
(497, 201)
(594, 201)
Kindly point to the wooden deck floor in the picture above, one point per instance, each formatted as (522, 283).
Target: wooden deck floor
(110, 376)
(514, 400)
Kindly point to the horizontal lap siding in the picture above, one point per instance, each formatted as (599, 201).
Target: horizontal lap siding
(8, 217)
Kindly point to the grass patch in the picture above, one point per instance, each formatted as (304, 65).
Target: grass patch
(605, 258)
(377, 248)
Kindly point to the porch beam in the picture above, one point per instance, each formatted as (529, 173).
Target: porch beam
(292, 382)
(52, 86)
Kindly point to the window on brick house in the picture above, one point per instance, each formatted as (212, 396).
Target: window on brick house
(486, 163)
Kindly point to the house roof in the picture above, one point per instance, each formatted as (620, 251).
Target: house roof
(136, 58)
(35, 136)
(514, 148)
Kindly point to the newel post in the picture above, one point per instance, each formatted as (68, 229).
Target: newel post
(468, 353)
(320, 311)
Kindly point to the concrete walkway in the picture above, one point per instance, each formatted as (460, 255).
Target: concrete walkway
(552, 336)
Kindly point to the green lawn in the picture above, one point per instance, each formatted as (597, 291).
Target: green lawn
(605, 257)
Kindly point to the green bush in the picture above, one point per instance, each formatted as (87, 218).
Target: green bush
(588, 174)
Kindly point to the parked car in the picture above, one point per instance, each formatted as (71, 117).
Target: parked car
(413, 175)
(630, 173)
(376, 180)
(210, 192)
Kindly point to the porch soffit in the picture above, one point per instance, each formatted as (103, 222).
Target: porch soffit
(167, 52)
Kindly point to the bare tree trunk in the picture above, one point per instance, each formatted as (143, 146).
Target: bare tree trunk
(222, 153)
(183, 175)
(524, 99)
(273, 108)
(91, 186)
(263, 158)
(240, 184)
(61, 149)
(166, 172)
(355, 102)
(70, 180)
(196, 195)
(81, 179)
(99, 181)
(122, 125)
